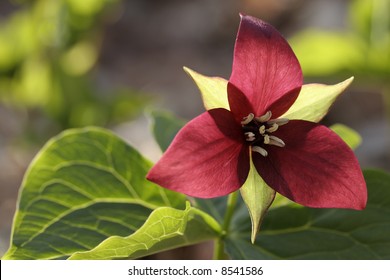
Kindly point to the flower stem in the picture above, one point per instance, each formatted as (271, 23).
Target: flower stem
(219, 248)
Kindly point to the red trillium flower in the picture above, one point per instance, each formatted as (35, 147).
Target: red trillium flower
(302, 160)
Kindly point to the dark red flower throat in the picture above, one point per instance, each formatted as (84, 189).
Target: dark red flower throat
(258, 132)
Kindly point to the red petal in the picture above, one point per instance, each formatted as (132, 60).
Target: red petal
(315, 168)
(208, 157)
(265, 68)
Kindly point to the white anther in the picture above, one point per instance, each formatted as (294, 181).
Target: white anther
(260, 150)
(266, 139)
(247, 119)
(273, 140)
(250, 136)
(273, 128)
(279, 122)
(264, 118)
(262, 129)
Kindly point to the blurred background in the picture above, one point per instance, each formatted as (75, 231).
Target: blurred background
(72, 63)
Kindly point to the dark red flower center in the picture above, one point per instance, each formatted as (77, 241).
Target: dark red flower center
(258, 131)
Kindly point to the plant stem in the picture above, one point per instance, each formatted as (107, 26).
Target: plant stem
(219, 248)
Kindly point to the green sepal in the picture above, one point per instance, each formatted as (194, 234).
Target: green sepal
(258, 197)
(315, 100)
(212, 89)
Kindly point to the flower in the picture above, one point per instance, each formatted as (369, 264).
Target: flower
(300, 159)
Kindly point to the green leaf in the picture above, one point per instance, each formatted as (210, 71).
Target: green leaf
(350, 136)
(314, 101)
(84, 186)
(166, 228)
(258, 197)
(297, 232)
(216, 207)
(165, 126)
(212, 89)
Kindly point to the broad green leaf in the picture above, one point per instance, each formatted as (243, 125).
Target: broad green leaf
(314, 101)
(212, 89)
(165, 126)
(84, 186)
(296, 232)
(166, 228)
(258, 197)
(350, 136)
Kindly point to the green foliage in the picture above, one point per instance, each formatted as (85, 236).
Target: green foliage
(48, 50)
(84, 186)
(322, 53)
(295, 232)
(85, 196)
(166, 228)
(363, 48)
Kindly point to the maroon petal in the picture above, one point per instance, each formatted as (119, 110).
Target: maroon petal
(207, 158)
(238, 103)
(315, 168)
(265, 68)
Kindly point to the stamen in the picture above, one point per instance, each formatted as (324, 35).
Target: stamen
(264, 118)
(273, 140)
(260, 150)
(250, 136)
(248, 119)
(279, 122)
(262, 129)
(273, 128)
